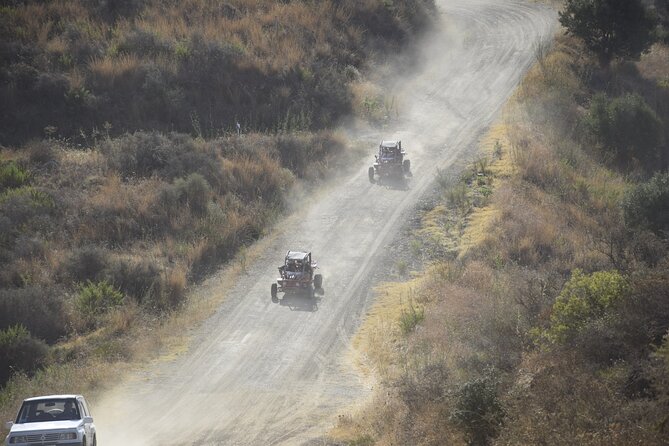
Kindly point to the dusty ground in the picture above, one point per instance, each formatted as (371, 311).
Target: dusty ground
(262, 373)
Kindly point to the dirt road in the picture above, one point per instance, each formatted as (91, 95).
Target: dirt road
(261, 373)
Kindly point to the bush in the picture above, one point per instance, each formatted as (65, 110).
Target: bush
(427, 385)
(84, 264)
(20, 352)
(647, 205)
(170, 156)
(40, 310)
(194, 192)
(96, 298)
(478, 411)
(411, 317)
(583, 299)
(12, 175)
(139, 154)
(146, 283)
(627, 128)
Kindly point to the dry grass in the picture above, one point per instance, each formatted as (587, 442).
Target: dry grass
(654, 64)
(377, 341)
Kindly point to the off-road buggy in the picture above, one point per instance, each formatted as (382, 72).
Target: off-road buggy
(390, 161)
(297, 273)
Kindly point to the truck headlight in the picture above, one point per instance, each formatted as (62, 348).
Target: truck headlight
(67, 436)
(18, 439)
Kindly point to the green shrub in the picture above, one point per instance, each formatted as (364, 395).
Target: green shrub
(411, 317)
(96, 298)
(647, 205)
(37, 198)
(582, 299)
(20, 352)
(627, 128)
(478, 411)
(12, 175)
(457, 197)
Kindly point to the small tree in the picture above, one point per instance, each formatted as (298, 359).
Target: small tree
(647, 205)
(627, 128)
(478, 411)
(583, 299)
(610, 28)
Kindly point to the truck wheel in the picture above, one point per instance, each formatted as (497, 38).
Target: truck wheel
(318, 281)
(407, 166)
(371, 174)
(274, 292)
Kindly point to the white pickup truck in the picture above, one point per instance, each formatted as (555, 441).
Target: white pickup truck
(52, 420)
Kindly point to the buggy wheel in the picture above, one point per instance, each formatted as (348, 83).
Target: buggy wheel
(318, 281)
(274, 292)
(407, 166)
(370, 172)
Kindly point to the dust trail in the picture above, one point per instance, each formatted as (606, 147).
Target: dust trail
(264, 373)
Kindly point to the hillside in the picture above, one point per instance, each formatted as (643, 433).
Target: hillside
(77, 69)
(122, 177)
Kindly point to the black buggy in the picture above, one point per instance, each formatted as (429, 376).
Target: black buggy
(297, 273)
(390, 162)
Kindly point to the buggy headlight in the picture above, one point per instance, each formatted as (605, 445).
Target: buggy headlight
(67, 436)
(18, 439)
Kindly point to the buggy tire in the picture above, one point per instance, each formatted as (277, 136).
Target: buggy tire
(370, 172)
(406, 165)
(318, 281)
(274, 292)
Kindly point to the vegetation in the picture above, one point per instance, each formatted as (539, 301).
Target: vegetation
(83, 68)
(124, 177)
(627, 129)
(19, 351)
(647, 205)
(545, 308)
(610, 28)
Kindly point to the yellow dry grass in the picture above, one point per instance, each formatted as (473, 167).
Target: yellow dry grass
(497, 147)
(375, 344)
(110, 68)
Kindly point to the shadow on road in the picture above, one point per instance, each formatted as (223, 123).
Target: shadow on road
(302, 300)
(395, 183)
